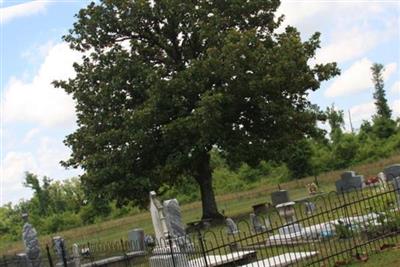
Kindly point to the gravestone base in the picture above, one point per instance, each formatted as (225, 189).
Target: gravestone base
(290, 229)
(168, 259)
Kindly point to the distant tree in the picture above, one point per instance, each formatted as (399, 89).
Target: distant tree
(335, 119)
(41, 192)
(164, 82)
(382, 107)
(383, 125)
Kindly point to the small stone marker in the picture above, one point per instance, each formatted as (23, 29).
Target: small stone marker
(279, 197)
(392, 171)
(136, 239)
(256, 224)
(310, 207)
(60, 248)
(76, 255)
(231, 226)
(31, 243)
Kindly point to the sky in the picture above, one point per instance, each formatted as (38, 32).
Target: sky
(36, 117)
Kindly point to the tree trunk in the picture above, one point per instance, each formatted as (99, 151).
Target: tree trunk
(204, 179)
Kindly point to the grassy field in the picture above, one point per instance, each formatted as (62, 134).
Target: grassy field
(233, 205)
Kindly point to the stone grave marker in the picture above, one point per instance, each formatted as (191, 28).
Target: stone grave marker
(349, 181)
(279, 197)
(310, 207)
(256, 224)
(136, 239)
(158, 218)
(231, 226)
(173, 218)
(76, 255)
(31, 243)
(392, 171)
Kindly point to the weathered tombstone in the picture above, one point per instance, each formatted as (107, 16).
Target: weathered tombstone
(136, 239)
(287, 211)
(231, 227)
(256, 224)
(310, 207)
(349, 181)
(22, 260)
(260, 208)
(158, 218)
(173, 218)
(279, 197)
(60, 249)
(167, 224)
(392, 171)
(76, 255)
(31, 243)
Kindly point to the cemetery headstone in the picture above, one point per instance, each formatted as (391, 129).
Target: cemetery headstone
(286, 211)
(232, 228)
(158, 218)
(60, 248)
(76, 255)
(173, 218)
(279, 197)
(31, 242)
(349, 181)
(310, 207)
(256, 224)
(136, 239)
(392, 171)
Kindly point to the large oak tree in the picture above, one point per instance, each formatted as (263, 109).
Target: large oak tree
(165, 81)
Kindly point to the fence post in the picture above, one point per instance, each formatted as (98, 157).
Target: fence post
(63, 255)
(5, 261)
(171, 247)
(203, 251)
(49, 256)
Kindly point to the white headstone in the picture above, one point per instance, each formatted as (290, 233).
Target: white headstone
(173, 218)
(76, 255)
(158, 218)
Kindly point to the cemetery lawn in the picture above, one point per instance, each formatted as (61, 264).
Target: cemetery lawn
(235, 205)
(389, 258)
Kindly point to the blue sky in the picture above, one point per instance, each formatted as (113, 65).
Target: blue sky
(35, 117)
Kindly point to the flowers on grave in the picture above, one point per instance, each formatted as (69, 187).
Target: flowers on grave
(312, 188)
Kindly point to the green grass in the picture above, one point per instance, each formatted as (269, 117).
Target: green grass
(389, 258)
(236, 205)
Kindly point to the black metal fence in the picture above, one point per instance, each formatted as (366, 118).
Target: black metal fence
(324, 229)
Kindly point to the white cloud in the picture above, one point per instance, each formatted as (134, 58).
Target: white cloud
(14, 166)
(350, 44)
(30, 135)
(43, 161)
(38, 101)
(356, 78)
(9, 13)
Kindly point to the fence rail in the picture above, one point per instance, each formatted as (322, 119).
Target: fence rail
(323, 230)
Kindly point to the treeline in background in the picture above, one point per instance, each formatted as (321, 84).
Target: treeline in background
(57, 206)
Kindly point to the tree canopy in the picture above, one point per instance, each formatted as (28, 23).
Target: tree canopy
(163, 82)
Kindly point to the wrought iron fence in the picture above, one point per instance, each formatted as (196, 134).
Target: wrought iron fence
(320, 230)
